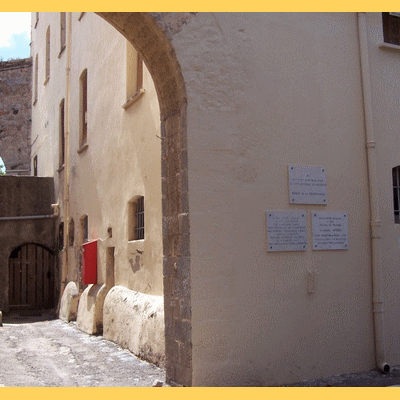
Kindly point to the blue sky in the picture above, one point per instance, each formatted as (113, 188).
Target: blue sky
(15, 31)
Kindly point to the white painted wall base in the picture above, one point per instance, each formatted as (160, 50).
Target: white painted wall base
(90, 309)
(135, 321)
(69, 303)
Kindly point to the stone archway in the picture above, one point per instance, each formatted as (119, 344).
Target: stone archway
(144, 31)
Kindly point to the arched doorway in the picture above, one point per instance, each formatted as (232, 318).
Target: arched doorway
(144, 32)
(31, 278)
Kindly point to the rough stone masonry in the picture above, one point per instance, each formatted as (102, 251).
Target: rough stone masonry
(15, 115)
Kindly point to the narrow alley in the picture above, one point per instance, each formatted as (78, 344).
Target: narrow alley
(37, 352)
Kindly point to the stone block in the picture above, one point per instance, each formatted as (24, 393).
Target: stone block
(69, 303)
(135, 321)
(90, 309)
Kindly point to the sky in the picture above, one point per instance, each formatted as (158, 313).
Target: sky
(15, 32)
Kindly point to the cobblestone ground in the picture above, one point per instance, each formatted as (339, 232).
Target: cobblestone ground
(53, 353)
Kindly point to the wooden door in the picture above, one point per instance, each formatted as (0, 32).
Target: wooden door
(31, 278)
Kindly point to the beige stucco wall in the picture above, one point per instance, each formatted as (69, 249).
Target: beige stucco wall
(264, 91)
(258, 100)
(123, 155)
(385, 87)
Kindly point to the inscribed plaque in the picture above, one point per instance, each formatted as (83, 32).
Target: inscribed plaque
(330, 231)
(287, 230)
(307, 185)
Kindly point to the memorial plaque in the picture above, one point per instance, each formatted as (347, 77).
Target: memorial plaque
(307, 185)
(330, 231)
(287, 230)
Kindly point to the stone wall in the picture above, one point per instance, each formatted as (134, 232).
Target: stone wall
(15, 115)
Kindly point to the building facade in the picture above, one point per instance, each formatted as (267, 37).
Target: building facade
(96, 130)
(278, 175)
(15, 115)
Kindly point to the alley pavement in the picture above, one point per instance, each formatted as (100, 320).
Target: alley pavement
(38, 352)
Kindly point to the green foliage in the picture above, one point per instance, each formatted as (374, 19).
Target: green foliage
(2, 167)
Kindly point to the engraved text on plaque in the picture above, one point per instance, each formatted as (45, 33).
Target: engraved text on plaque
(330, 231)
(307, 185)
(287, 230)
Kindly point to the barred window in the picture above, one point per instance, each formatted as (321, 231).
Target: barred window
(136, 218)
(139, 217)
(396, 193)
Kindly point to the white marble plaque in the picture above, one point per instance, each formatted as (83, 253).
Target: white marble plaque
(287, 230)
(330, 231)
(307, 185)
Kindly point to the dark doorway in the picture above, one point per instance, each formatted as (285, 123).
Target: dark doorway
(31, 278)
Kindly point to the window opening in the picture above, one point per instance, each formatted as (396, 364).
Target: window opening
(35, 92)
(110, 272)
(35, 166)
(61, 236)
(63, 31)
(139, 219)
(396, 193)
(62, 133)
(85, 228)
(47, 55)
(136, 218)
(134, 75)
(391, 28)
(71, 232)
(83, 108)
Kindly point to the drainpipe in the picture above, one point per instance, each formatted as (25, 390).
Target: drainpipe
(26, 217)
(66, 144)
(376, 224)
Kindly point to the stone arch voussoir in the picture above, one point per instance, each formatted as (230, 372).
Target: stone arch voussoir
(149, 37)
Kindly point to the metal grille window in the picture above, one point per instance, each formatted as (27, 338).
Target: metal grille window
(139, 219)
(135, 224)
(396, 193)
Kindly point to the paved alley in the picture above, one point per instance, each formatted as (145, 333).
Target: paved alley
(54, 353)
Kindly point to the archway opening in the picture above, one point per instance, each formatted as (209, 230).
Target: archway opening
(32, 277)
(154, 47)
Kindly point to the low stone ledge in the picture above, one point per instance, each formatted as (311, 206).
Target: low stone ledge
(69, 303)
(90, 309)
(136, 321)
